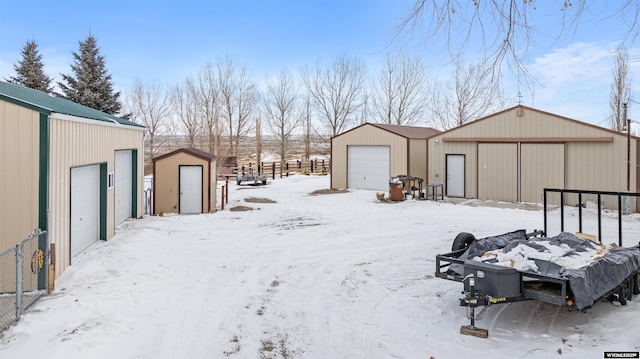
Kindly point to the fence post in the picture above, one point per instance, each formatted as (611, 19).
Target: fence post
(222, 199)
(273, 170)
(226, 189)
(286, 165)
(18, 280)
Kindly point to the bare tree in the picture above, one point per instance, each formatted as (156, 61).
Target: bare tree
(239, 97)
(149, 106)
(186, 109)
(399, 90)
(206, 93)
(335, 92)
(620, 90)
(471, 95)
(307, 128)
(505, 29)
(279, 102)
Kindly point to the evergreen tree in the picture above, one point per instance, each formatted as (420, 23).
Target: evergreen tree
(92, 85)
(30, 70)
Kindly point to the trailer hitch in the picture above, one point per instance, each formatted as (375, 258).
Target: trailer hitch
(471, 300)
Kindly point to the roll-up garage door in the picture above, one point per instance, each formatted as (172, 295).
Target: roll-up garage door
(368, 167)
(85, 207)
(123, 185)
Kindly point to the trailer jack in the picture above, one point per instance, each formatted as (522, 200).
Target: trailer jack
(473, 300)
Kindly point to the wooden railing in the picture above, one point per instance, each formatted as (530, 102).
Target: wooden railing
(277, 169)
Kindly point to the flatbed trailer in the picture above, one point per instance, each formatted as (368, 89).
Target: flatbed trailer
(487, 284)
(251, 176)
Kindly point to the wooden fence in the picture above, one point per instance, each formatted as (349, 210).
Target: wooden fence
(277, 169)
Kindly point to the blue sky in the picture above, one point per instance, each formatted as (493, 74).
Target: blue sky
(167, 41)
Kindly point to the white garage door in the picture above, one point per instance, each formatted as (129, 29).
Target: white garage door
(190, 189)
(85, 207)
(123, 186)
(368, 167)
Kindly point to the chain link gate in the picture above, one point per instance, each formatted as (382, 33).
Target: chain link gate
(24, 277)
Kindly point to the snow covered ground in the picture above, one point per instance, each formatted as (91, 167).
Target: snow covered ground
(337, 275)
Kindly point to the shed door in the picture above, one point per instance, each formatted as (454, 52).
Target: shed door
(368, 167)
(85, 207)
(541, 166)
(123, 184)
(190, 189)
(455, 175)
(498, 171)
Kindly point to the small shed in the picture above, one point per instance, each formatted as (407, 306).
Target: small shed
(185, 182)
(367, 156)
(512, 155)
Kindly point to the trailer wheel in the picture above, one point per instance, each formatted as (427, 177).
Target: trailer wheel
(462, 241)
(636, 284)
(625, 292)
(264, 182)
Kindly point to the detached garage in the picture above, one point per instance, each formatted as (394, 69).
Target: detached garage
(514, 154)
(68, 169)
(185, 182)
(366, 156)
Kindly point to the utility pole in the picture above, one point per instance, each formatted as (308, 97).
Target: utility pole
(628, 123)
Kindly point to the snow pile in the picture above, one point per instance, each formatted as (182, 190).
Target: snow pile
(523, 255)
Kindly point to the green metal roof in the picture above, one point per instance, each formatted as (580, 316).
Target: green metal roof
(43, 102)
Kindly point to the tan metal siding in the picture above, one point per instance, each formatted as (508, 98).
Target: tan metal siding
(19, 146)
(72, 144)
(498, 171)
(438, 152)
(541, 166)
(600, 166)
(418, 158)
(595, 158)
(366, 135)
(167, 184)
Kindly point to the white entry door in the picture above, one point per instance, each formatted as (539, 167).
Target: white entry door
(190, 189)
(123, 185)
(368, 167)
(455, 175)
(85, 207)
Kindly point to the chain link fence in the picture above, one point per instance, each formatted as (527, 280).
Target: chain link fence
(23, 277)
(607, 217)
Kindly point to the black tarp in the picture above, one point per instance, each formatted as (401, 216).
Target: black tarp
(588, 283)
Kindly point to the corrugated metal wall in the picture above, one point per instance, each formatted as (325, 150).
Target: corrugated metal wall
(542, 166)
(498, 171)
(549, 150)
(76, 143)
(438, 164)
(19, 146)
(366, 135)
(418, 158)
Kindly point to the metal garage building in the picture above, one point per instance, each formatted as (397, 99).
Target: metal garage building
(514, 154)
(184, 181)
(366, 156)
(65, 168)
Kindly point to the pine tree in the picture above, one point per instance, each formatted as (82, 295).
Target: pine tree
(30, 70)
(92, 85)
